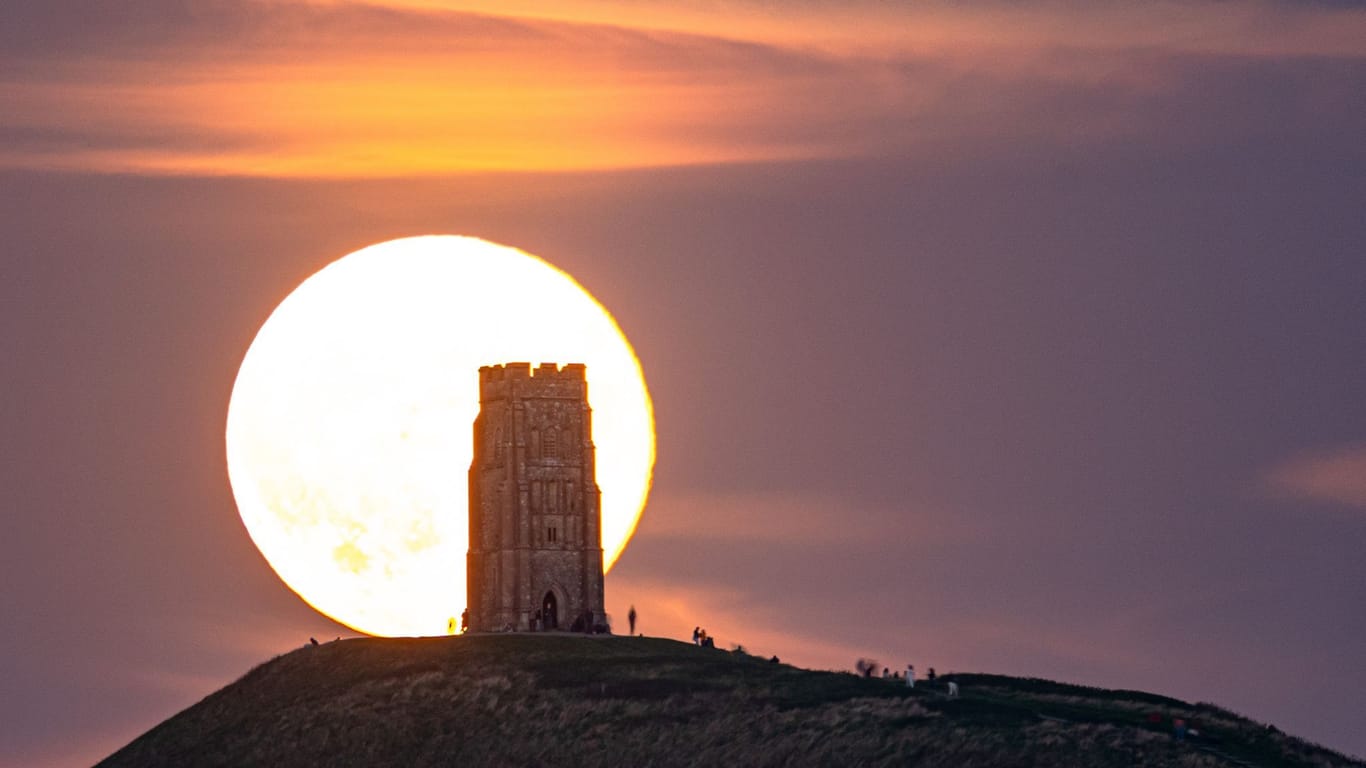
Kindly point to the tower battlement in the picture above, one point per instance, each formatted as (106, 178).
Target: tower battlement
(545, 380)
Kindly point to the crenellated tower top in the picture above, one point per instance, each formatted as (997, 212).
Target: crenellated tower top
(546, 380)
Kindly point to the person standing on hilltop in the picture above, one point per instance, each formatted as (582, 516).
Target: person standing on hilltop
(910, 675)
(696, 635)
(631, 618)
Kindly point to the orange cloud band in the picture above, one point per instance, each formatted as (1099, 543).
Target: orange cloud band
(348, 90)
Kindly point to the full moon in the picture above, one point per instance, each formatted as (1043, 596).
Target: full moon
(349, 429)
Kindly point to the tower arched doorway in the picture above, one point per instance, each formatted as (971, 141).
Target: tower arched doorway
(550, 618)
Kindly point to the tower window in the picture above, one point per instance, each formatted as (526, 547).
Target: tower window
(550, 533)
(550, 443)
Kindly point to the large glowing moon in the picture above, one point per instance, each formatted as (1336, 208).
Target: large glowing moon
(349, 433)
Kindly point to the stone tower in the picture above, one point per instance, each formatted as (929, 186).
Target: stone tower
(535, 557)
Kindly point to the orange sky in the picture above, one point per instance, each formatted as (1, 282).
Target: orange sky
(340, 89)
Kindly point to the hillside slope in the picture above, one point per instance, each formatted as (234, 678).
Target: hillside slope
(569, 700)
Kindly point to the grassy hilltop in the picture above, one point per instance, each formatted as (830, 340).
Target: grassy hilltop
(513, 700)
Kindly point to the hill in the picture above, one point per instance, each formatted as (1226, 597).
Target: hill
(527, 699)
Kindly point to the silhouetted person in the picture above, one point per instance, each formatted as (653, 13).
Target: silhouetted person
(886, 674)
(631, 618)
(910, 675)
(708, 642)
(465, 620)
(774, 660)
(696, 635)
(314, 641)
(930, 675)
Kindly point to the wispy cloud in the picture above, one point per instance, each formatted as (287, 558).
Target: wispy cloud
(420, 88)
(752, 516)
(670, 608)
(1336, 477)
(821, 637)
(261, 89)
(1259, 27)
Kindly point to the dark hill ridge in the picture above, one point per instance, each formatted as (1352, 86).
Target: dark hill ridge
(540, 699)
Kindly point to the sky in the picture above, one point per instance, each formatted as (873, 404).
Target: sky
(1010, 337)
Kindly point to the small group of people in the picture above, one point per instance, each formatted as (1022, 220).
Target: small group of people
(700, 637)
(930, 676)
(951, 687)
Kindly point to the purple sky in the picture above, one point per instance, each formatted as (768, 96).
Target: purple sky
(1049, 364)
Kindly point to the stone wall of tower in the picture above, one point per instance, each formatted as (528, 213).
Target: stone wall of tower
(535, 512)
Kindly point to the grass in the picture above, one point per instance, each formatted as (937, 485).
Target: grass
(560, 699)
